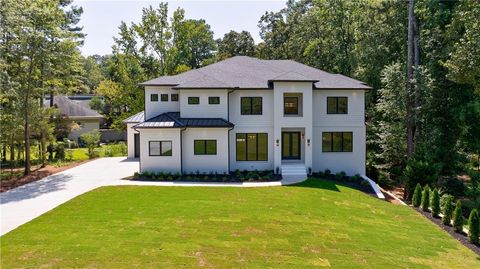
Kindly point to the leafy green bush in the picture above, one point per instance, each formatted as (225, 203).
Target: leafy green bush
(417, 196)
(426, 198)
(419, 171)
(60, 151)
(458, 218)
(447, 210)
(365, 183)
(435, 203)
(91, 140)
(338, 176)
(327, 172)
(452, 186)
(473, 227)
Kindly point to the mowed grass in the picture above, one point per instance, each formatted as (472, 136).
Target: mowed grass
(313, 225)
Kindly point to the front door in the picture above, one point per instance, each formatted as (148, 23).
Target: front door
(291, 146)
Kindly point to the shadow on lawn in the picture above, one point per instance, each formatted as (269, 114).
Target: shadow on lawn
(318, 184)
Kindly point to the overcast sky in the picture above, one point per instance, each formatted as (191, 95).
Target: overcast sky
(100, 19)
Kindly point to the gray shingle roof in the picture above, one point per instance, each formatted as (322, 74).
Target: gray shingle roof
(71, 108)
(139, 117)
(251, 73)
(173, 120)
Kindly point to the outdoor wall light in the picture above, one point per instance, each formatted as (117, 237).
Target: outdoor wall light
(277, 142)
(308, 142)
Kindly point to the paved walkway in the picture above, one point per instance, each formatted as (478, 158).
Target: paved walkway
(22, 204)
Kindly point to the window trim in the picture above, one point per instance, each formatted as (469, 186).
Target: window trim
(205, 147)
(298, 108)
(246, 147)
(189, 98)
(336, 104)
(162, 96)
(331, 142)
(210, 98)
(161, 142)
(152, 95)
(172, 99)
(251, 105)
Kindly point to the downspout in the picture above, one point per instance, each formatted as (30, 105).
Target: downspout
(181, 150)
(228, 119)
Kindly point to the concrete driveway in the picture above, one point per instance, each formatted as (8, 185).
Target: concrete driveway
(22, 204)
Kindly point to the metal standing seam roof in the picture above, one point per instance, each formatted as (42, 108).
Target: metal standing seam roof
(139, 117)
(252, 73)
(173, 120)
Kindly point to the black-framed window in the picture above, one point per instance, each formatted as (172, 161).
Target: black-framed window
(205, 147)
(174, 97)
(154, 97)
(290, 105)
(337, 105)
(193, 100)
(213, 100)
(337, 141)
(252, 146)
(164, 97)
(160, 148)
(251, 105)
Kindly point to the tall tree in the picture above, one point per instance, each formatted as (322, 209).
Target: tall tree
(234, 43)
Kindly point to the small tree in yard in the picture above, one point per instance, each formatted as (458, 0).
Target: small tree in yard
(458, 218)
(448, 210)
(473, 227)
(91, 139)
(435, 203)
(426, 198)
(417, 196)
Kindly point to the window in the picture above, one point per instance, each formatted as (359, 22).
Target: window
(213, 100)
(252, 147)
(174, 97)
(290, 105)
(251, 105)
(193, 100)
(154, 97)
(205, 147)
(160, 148)
(164, 97)
(337, 142)
(337, 105)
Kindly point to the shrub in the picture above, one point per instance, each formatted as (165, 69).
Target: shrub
(338, 176)
(206, 178)
(426, 198)
(327, 172)
(473, 227)
(365, 183)
(136, 175)
(417, 196)
(435, 203)
(419, 171)
(91, 140)
(60, 151)
(447, 210)
(458, 218)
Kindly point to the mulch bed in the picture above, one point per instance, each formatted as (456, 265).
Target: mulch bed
(35, 175)
(449, 229)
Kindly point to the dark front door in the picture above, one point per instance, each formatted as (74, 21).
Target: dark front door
(291, 146)
(136, 145)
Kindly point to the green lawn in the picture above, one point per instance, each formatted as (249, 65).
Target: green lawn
(312, 225)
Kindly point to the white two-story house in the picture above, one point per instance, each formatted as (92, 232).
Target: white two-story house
(250, 114)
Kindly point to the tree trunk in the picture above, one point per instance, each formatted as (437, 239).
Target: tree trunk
(4, 153)
(12, 152)
(410, 59)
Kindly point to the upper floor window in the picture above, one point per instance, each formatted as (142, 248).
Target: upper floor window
(193, 100)
(252, 147)
(205, 147)
(337, 141)
(213, 100)
(290, 105)
(337, 105)
(154, 97)
(164, 97)
(174, 97)
(160, 148)
(251, 105)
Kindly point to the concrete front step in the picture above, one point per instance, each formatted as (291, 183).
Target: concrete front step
(293, 173)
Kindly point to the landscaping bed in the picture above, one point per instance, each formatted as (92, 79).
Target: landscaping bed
(354, 182)
(234, 177)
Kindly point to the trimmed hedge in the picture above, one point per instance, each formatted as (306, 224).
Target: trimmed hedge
(458, 218)
(473, 227)
(417, 196)
(435, 203)
(426, 198)
(448, 210)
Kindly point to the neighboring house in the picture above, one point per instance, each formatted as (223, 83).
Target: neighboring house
(86, 118)
(250, 114)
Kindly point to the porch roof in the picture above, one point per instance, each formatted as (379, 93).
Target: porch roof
(173, 120)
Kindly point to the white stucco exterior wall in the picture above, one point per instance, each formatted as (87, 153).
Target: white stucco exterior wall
(204, 109)
(153, 109)
(205, 163)
(160, 163)
(131, 140)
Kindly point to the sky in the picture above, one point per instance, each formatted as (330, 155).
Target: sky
(100, 19)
